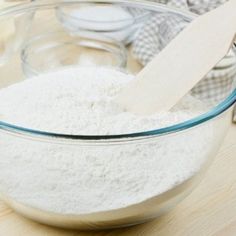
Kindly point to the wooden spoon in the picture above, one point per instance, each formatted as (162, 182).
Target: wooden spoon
(183, 63)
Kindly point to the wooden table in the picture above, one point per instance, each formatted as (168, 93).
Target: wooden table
(209, 211)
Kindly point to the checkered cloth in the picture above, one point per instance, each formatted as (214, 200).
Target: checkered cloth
(161, 28)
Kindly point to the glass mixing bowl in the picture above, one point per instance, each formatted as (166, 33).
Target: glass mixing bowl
(35, 147)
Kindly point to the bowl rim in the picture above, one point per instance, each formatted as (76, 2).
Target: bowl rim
(211, 114)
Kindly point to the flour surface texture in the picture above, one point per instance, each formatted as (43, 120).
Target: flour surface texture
(82, 178)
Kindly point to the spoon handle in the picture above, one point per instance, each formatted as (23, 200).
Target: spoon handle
(183, 63)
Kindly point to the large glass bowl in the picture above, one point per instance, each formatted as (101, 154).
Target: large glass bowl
(24, 22)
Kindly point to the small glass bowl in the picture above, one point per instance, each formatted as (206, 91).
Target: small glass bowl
(54, 50)
(122, 26)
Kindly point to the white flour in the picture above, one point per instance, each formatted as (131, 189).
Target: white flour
(78, 179)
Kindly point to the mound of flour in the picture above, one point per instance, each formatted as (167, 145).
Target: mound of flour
(83, 178)
(79, 101)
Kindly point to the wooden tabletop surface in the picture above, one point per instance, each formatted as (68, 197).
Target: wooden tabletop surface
(210, 210)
